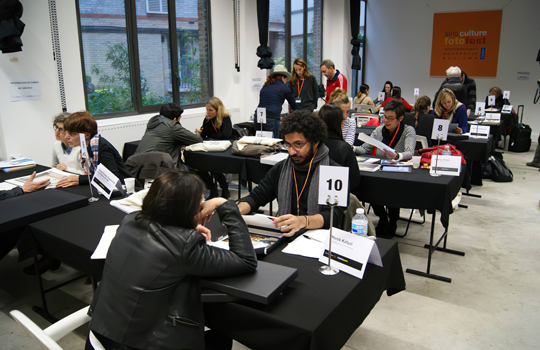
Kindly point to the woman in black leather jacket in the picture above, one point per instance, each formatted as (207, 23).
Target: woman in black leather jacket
(149, 296)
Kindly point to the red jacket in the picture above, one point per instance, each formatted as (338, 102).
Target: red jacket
(408, 107)
(338, 81)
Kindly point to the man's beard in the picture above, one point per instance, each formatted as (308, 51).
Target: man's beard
(307, 158)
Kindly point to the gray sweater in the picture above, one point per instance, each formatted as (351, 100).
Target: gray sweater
(404, 147)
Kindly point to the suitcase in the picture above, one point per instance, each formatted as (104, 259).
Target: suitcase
(520, 135)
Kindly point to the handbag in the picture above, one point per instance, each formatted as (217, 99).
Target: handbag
(256, 150)
(428, 152)
(499, 170)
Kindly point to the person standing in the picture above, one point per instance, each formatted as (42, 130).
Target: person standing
(303, 86)
(272, 96)
(453, 83)
(334, 79)
(470, 86)
(216, 126)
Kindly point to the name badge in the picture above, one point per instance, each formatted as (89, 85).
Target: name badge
(298, 101)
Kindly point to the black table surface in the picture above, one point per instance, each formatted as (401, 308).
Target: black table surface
(315, 311)
(474, 149)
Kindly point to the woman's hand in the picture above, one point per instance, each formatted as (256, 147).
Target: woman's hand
(71, 180)
(457, 130)
(390, 155)
(61, 166)
(289, 224)
(208, 207)
(198, 132)
(205, 232)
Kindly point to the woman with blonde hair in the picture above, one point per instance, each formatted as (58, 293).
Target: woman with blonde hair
(348, 127)
(448, 107)
(303, 86)
(217, 125)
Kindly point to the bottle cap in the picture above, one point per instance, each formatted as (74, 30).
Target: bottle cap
(360, 211)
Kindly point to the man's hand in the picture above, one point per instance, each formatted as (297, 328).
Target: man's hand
(208, 207)
(198, 132)
(458, 130)
(61, 166)
(31, 186)
(468, 112)
(71, 180)
(289, 224)
(205, 232)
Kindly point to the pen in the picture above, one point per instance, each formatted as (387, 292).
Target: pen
(313, 239)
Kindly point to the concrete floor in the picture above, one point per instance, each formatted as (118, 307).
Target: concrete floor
(492, 302)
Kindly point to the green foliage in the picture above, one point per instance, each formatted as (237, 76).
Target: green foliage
(193, 65)
(279, 60)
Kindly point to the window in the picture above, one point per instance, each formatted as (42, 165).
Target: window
(295, 31)
(134, 62)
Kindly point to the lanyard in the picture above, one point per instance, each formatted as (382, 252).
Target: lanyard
(211, 122)
(300, 87)
(390, 144)
(305, 182)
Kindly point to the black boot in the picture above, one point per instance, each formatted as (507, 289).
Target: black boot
(393, 215)
(380, 211)
(213, 192)
(222, 180)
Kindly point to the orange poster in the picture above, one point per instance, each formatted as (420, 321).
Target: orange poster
(469, 40)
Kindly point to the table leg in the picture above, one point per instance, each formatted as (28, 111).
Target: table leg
(470, 177)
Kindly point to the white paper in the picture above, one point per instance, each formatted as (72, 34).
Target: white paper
(261, 115)
(309, 247)
(274, 158)
(440, 129)
(507, 109)
(105, 242)
(260, 133)
(256, 84)
(333, 185)
(105, 181)
(480, 108)
(53, 174)
(506, 94)
(479, 131)
(350, 253)
(381, 96)
(491, 100)
(262, 224)
(16, 162)
(446, 165)
(25, 90)
(416, 92)
(493, 117)
(374, 142)
(4, 186)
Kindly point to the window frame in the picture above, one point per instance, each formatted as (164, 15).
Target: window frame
(133, 52)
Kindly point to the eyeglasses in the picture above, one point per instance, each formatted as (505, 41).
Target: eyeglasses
(297, 145)
(389, 118)
(55, 127)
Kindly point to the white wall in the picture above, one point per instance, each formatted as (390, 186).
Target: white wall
(399, 35)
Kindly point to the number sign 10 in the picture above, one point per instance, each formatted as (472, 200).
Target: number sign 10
(334, 185)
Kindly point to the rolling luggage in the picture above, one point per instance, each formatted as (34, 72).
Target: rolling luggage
(520, 135)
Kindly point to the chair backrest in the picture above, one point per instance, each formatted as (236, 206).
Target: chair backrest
(96, 344)
(422, 140)
(49, 336)
(149, 165)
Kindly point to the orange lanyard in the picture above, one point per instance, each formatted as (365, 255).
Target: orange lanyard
(394, 135)
(305, 182)
(211, 122)
(300, 87)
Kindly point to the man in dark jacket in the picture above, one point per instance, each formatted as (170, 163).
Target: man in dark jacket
(29, 186)
(470, 84)
(454, 83)
(164, 133)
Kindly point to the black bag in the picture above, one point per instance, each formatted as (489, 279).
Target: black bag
(520, 136)
(499, 171)
(322, 91)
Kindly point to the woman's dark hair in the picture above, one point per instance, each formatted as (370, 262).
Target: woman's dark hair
(364, 88)
(332, 115)
(174, 199)
(305, 123)
(420, 106)
(397, 106)
(396, 92)
(171, 111)
(389, 83)
(80, 122)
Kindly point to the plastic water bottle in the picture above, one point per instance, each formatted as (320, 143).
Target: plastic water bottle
(360, 223)
(446, 151)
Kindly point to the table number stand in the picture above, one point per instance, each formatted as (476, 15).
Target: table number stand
(327, 269)
(436, 158)
(92, 199)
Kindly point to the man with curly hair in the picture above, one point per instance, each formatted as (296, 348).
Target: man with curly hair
(294, 182)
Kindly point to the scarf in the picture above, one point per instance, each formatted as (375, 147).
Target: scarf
(66, 149)
(94, 147)
(286, 182)
(392, 140)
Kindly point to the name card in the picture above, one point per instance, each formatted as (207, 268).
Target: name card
(381, 96)
(494, 117)
(105, 181)
(261, 115)
(480, 108)
(446, 165)
(84, 150)
(440, 129)
(491, 100)
(479, 131)
(507, 109)
(506, 94)
(269, 134)
(350, 253)
(416, 92)
(334, 185)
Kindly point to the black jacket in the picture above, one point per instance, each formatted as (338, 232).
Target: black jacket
(455, 85)
(223, 133)
(110, 158)
(149, 297)
(309, 93)
(342, 153)
(470, 84)
(14, 192)
(166, 135)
